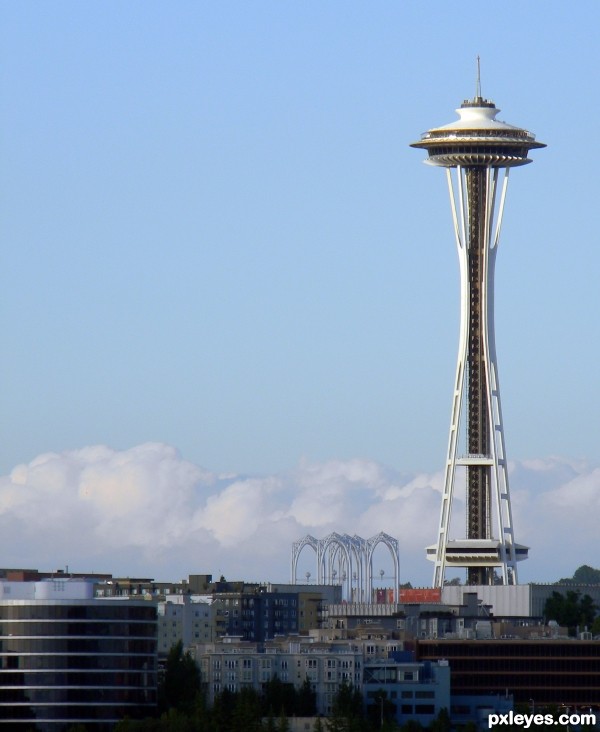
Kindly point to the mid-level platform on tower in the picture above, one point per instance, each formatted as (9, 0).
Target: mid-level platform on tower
(476, 552)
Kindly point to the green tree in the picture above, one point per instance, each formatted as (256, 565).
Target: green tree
(283, 725)
(175, 720)
(222, 711)
(306, 700)
(271, 726)
(442, 722)
(411, 725)
(570, 610)
(587, 611)
(181, 684)
(247, 712)
(381, 711)
(278, 697)
(138, 725)
(171, 721)
(584, 575)
(347, 711)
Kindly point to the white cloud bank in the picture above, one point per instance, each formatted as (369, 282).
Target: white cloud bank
(148, 512)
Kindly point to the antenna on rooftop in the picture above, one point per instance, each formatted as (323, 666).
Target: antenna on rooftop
(478, 85)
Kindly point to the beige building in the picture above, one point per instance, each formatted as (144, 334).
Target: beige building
(234, 664)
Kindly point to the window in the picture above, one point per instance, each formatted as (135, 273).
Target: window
(424, 709)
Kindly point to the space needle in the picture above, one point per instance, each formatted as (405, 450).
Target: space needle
(478, 152)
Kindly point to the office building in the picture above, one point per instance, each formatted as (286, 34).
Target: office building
(67, 658)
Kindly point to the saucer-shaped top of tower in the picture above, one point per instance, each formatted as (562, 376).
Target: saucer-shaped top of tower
(478, 139)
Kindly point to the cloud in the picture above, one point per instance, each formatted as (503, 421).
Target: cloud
(147, 511)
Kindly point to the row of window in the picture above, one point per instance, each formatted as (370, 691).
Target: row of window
(453, 134)
(417, 709)
(104, 611)
(74, 678)
(405, 694)
(476, 149)
(78, 628)
(117, 662)
(500, 650)
(97, 695)
(77, 645)
(524, 680)
(267, 663)
(21, 712)
(277, 602)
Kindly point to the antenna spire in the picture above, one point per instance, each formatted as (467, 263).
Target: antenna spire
(478, 85)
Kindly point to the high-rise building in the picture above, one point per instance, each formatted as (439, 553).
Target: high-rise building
(67, 658)
(480, 150)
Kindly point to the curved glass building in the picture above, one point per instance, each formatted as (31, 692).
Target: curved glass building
(67, 658)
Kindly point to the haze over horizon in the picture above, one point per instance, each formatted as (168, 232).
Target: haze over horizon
(230, 288)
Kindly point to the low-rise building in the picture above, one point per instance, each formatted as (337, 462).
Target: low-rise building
(406, 689)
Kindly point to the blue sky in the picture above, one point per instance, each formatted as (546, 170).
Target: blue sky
(215, 235)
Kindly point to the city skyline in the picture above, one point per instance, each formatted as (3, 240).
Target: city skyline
(214, 239)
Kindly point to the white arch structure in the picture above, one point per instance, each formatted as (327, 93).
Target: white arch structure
(347, 560)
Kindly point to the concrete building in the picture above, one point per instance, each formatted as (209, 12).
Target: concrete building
(186, 618)
(409, 689)
(67, 658)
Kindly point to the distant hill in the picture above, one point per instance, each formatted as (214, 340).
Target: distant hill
(584, 575)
